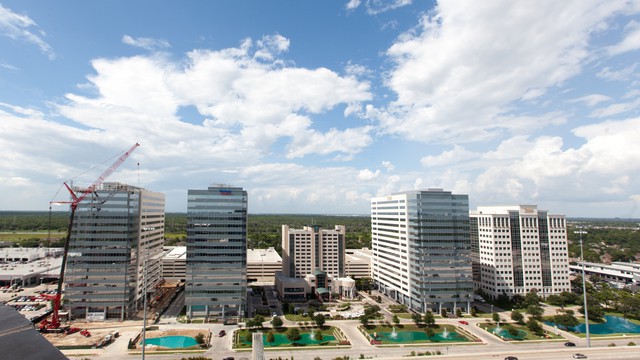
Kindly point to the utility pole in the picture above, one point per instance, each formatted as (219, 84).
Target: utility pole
(584, 289)
(144, 312)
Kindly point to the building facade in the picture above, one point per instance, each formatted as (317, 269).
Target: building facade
(517, 249)
(358, 263)
(313, 248)
(117, 230)
(216, 277)
(262, 266)
(421, 249)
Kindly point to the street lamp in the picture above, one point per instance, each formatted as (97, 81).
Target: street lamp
(584, 288)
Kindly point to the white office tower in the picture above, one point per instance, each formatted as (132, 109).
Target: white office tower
(517, 249)
(313, 248)
(421, 249)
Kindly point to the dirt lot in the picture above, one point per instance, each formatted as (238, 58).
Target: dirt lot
(77, 339)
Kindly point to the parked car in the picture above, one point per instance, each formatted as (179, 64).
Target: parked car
(569, 343)
(579, 356)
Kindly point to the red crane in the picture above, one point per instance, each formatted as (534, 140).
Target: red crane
(73, 204)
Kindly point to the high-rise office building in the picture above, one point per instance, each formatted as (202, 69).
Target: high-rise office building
(117, 229)
(216, 283)
(313, 248)
(517, 249)
(421, 249)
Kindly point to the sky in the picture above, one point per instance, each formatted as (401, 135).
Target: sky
(317, 106)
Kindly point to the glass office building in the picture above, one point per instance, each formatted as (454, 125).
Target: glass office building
(216, 279)
(116, 229)
(421, 249)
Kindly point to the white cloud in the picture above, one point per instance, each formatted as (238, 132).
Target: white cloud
(620, 75)
(450, 157)
(146, 43)
(631, 41)
(388, 166)
(270, 46)
(8, 66)
(353, 4)
(245, 107)
(23, 28)
(367, 174)
(592, 99)
(615, 109)
(457, 73)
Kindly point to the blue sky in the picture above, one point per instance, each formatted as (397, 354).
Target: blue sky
(315, 107)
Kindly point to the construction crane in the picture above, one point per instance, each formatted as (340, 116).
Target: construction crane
(73, 204)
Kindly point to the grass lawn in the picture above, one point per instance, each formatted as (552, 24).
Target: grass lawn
(297, 318)
(40, 235)
(488, 327)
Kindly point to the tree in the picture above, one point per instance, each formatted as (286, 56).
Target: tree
(372, 311)
(270, 337)
(417, 319)
(474, 311)
(535, 327)
(495, 317)
(318, 336)
(532, 298)
(517, 317)
(248, 337)
(255, 322)
(458, 312)
(429, 331)
(536, 311)
(319, 320)
(396, 319)
(199, 338)
(293, 334)
(566, 320)
(443, 313)
(364, 320)
(428, 318)
(276, 322)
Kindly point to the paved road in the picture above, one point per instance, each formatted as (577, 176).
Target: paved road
(176, 306)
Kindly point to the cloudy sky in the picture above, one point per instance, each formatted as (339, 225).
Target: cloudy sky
(316, 106)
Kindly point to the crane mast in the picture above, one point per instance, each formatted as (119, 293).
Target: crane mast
(73, 204)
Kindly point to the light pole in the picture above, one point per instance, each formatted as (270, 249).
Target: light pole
(584, 288)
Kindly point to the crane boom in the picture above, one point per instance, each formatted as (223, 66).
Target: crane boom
(76, 199)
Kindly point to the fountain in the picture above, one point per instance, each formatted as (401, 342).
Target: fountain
(394, 334)
(445, 333)
(497, 329)
(313, 334)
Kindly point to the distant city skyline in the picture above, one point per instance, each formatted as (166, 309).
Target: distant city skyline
(317, 107)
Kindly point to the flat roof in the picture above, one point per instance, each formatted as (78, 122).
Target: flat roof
(175, 252)
(49, 267)
(269, 255)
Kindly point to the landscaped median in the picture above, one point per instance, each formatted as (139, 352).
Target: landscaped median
(285, 337)
(388, 334)
(517, 332)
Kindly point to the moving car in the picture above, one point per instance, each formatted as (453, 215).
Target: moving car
(579, 356)
(466, 323)
(569, 343)
(511, 358)
(223, 333)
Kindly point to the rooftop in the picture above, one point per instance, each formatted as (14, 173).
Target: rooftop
(269, 255)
